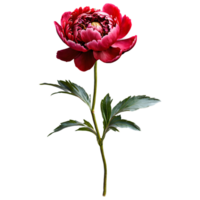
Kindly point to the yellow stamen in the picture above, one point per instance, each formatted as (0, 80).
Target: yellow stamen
(96, 24)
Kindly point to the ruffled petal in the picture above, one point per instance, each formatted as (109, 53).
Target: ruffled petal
(109, 55)
(60, 31)
(67, 54)
(76, 46)
(68, 43)
(127, 44)
(105, 42)
(65, 18)
(79, 11)
(125, 27)
(58, 28)
(89, 34)
(112, 10)
(85, 61)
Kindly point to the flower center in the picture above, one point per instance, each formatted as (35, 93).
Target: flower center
(95, 19)
(97, 26)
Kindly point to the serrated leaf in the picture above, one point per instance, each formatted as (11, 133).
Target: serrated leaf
(75, 123)
(54, 85)
(88, 124)
(70, 85)
(121, 123)
(133, 103)
(68, 123)
(106, 109)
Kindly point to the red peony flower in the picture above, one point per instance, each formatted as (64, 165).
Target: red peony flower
(94, 34)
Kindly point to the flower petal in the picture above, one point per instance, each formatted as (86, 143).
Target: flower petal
(105, 42)
(85, 61)
(58, 28)
(125, 27)
(89, 34)
(109, 55)
(127, 44)
(67, 54)
(112, 10)
(115, 51)
(65, 18)
(69, 43)
(86, 9)
(76, 46)
(60, 31)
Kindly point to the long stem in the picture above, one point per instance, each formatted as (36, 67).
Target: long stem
(100, 142)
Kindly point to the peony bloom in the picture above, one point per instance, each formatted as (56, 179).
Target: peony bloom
(94, 35)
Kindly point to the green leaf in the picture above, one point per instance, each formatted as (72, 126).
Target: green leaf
(86, 129)
(121, 123)
(70, 85)
(58, 93)
(133, 103)
(54, 85)
(114, 129)
(106, 109)
(68, 123)
(61, 93)
(88, 124)
(103, 126)
(110, 128)
(115, 119)
(48, 136)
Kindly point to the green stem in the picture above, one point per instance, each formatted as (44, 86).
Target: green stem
(105, 170)
(99, 139)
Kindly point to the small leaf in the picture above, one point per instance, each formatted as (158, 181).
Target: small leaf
(86, 129)
(113, 129)
(126, 123)
(82, 129)
(88, 124)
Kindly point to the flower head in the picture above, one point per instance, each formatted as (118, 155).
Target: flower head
(94, 34)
